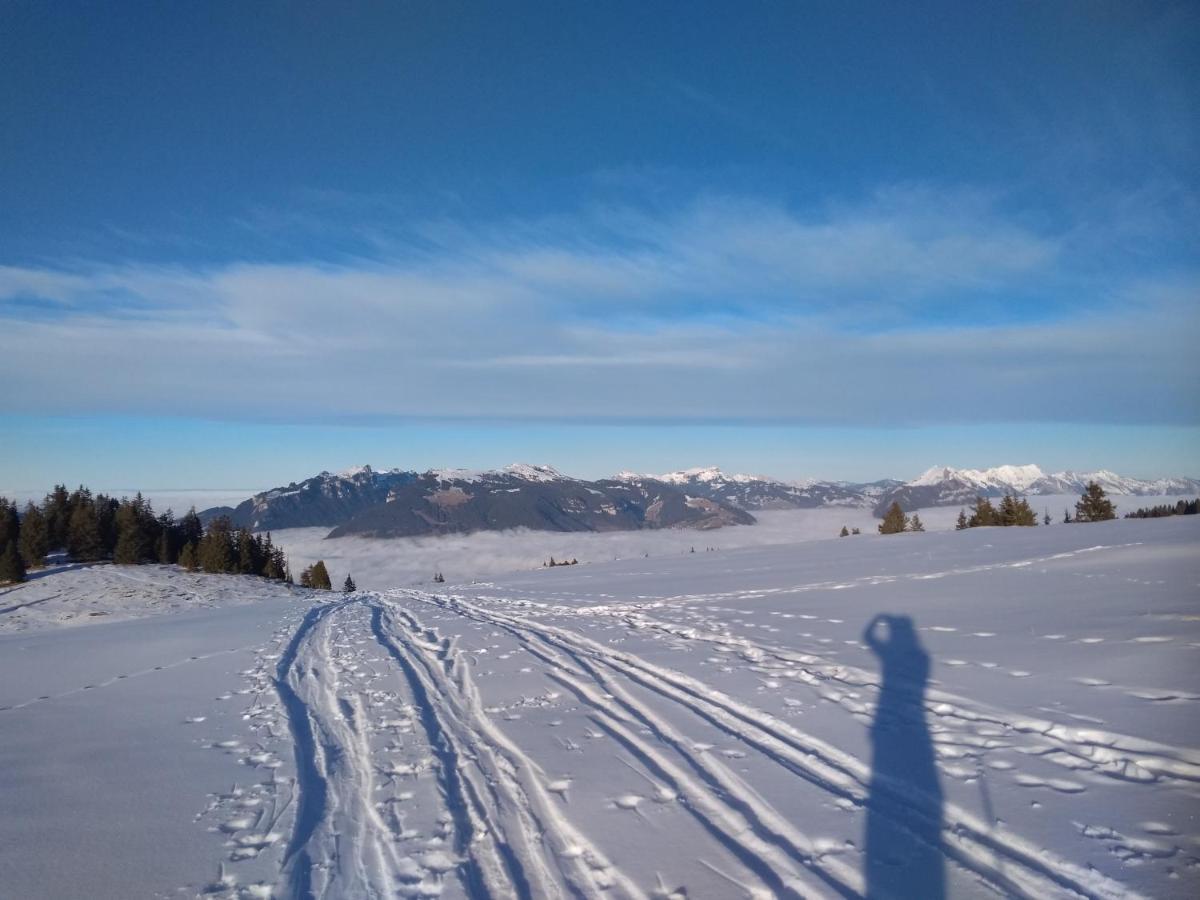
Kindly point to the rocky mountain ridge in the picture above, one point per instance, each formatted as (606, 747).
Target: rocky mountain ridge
(401, 503)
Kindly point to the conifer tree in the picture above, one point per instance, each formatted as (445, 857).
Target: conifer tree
(12, 567)
(188, 557)
(166, 547)
(248, 553)
(1025, 516)
(1007, 514)
(856, 531)
(190, 529)
(320, 576)
(349, 587)
(104, 508)
(57, 510)
(961, 524)
(83, 533)
(306, 577)
(216, 551)
(983, 514)
(915, 523)
(127, 549)
(1094, 505)
(1046, 518)
(163, 548)
(35, 537)
(10, 522)
(845, 532)
(893, 520)
(1066, 517)
(277, 566)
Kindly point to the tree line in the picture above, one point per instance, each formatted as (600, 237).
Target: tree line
(95, 527)
(1011, 510)
(1178, 508)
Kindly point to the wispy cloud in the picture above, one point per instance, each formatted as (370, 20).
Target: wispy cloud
(728, 307)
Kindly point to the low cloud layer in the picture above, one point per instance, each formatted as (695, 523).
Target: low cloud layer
(914, 307)
(404, 562)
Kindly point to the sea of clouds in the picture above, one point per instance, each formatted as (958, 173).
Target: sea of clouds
(378, 564)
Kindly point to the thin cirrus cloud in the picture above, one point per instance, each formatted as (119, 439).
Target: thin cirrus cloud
(915, 307)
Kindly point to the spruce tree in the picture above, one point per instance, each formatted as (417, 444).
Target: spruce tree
(57, 510)
(915, 523)
(893, 520)
(10, 522)
(190, 529)
(1094, 505)
(163, 549)
(188, 557)
(127, 550)
(1025, 515)
(35, 537)
(12, 567)
(845, 533)
(1046, 518)
(320, 576)
(349, 587)
(961, 524)
(306, 577)
(248, 552)
(83, 534)
(216, 551)
(983, 514)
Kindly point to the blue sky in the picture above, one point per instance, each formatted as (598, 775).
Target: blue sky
(847, 240)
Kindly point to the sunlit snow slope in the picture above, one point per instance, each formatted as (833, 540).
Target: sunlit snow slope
(1022, 721)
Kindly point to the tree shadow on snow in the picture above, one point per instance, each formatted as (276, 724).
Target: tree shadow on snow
(904, 811)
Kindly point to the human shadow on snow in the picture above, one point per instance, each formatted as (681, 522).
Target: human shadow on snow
(903, 843)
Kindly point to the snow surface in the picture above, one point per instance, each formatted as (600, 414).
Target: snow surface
(718, 724)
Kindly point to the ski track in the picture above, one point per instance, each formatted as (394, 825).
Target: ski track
(406, 784)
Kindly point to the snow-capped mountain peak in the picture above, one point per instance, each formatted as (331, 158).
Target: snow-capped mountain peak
(1018, 478)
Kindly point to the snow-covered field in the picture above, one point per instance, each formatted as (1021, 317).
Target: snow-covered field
(724, 724)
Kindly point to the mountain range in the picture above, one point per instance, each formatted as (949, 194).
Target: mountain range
(400, 503)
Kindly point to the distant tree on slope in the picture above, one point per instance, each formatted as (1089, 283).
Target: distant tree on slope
(349, 586)
(915, 523)
(845, 533)
(893, 520)
(1094, 505)
(961, 523)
